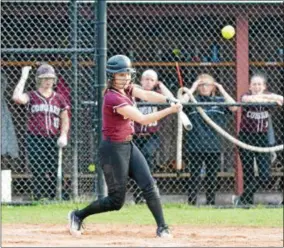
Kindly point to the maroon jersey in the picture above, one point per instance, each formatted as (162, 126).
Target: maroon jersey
(115, 126)
(254, 118)
(44, 113)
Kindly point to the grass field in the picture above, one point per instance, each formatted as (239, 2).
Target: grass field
(133, 214)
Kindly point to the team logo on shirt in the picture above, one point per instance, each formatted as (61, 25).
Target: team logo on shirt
(45, 108)
(258, 115)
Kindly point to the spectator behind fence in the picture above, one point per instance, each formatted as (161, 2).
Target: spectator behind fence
(254, 129)
(47, 128)
(203, 142)
(146, 135)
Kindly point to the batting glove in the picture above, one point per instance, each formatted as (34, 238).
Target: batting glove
(172, 100)
(62, 141)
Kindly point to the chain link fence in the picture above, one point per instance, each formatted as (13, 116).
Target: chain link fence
(36, 32)
(154, 36)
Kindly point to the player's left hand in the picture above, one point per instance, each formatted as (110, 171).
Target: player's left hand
(62, 141)
(159, 84)
(176, 107)
(219, 86)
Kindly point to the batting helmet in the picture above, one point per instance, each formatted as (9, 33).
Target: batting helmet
(45, 71)
(119, 63)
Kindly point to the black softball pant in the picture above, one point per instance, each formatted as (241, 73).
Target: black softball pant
(43, 161)
(211, 163)
(118, 161)
(251, 182)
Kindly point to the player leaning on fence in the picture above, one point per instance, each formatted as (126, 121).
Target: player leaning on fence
(119, 157)
(254, 131)
(47, 127)
(203, 142)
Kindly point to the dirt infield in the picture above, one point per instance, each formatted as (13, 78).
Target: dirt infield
(17, 235)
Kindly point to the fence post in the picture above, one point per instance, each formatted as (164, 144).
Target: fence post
(74, 11)
(101, 82)
(242, 56)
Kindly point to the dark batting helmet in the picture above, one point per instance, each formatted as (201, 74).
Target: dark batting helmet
(117, 64)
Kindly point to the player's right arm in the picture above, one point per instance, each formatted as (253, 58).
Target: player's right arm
(18, 95)
(134, 114)
(148, 95)
(263, 98)
(253, 98)
(274, 98)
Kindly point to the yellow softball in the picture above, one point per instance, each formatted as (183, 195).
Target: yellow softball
(228, 32)
(91, 167)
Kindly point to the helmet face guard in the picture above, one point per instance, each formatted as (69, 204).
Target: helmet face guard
(45, 71)
(119, 64)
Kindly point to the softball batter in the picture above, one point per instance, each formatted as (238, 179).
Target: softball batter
(118, 155)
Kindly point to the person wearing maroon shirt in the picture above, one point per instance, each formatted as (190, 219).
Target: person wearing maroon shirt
(119, 156)
(47, 128)
(254, 131)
